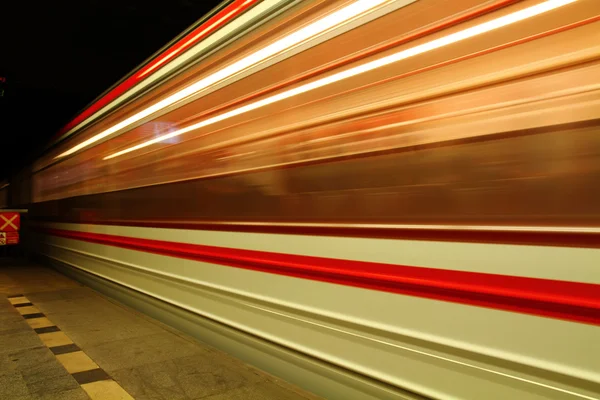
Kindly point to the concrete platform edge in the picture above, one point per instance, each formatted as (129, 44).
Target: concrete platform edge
(313, 375)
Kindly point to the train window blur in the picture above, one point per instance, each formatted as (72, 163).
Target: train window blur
(502, 134)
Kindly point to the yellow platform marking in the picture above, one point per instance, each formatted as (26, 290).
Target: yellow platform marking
(106, 390)
(53, 339)
(73, 362)
(76, 362)
(28, 310)
(18, 300)
(41, 322)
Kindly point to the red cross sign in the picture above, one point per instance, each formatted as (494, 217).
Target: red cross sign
(9, 221)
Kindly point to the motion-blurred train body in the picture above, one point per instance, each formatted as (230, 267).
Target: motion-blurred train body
(373, 199)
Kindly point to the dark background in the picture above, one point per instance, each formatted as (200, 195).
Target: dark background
(58, 56)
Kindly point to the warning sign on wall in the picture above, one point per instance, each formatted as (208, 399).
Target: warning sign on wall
(10, 221)
(9, 238)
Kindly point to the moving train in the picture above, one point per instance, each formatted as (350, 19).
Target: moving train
(372, 199)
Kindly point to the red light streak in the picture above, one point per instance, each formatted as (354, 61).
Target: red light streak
(210, 26)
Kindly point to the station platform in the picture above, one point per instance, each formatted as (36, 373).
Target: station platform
(62, 340)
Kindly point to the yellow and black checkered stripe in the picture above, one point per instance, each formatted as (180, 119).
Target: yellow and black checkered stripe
(93, 379)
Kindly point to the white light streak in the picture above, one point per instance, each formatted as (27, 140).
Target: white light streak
(370, 66)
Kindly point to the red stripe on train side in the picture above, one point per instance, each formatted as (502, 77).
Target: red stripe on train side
(571, 301)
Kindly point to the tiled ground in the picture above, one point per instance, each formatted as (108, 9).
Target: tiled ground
(83, 339)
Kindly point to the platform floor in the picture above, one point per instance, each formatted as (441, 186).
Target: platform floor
(62, 340)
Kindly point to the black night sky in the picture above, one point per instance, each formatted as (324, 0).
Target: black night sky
(58, 56)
